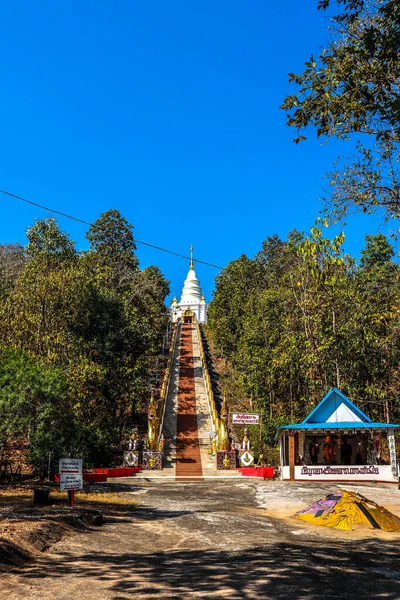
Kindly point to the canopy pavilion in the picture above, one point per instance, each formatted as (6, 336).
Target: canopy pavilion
(337, 441)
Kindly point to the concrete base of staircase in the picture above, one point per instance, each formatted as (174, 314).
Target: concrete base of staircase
(168, 478)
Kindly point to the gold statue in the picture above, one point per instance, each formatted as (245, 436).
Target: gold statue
(161, 444)
(133, 442)
(261, 460)
(246, 440)
(153, 424)
(224, 442)
(152, 461)
(214, 446)
(226, 463)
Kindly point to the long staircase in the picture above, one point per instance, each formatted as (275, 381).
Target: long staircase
(188, 459)
(187, 424)
(188, 418)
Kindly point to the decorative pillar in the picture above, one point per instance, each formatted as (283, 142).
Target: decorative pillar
(302, 437)
(392, 450)
(291, 454)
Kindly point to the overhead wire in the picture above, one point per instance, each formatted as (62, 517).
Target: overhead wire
(78, 220)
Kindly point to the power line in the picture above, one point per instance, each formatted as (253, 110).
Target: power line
(63, 214)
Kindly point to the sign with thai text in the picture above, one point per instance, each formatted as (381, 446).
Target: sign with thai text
(245, 419)
(339, 473)
(392, 450)
(362, 470)
(70, 474)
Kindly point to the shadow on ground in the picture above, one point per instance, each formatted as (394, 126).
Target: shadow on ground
(272, 571)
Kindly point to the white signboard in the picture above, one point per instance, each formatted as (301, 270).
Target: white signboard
(245, 419)
(341, 473)
(71, 474)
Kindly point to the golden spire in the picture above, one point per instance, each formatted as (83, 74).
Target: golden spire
(191, 258)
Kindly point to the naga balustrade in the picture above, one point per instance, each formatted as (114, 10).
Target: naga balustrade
(166, 380)
(209, 389)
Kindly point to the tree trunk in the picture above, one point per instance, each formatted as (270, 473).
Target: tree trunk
(336, 349)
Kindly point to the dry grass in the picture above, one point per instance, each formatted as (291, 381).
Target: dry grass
(23, 496)
(96, 498)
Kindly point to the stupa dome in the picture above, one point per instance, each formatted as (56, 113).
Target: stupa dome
(191, 291)
(192, 303)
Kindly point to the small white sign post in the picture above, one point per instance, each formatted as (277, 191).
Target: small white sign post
(71, 478)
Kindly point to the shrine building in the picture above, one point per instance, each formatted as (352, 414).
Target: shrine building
(337, 441)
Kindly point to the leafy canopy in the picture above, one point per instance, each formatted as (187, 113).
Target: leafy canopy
(302, 317)
(80, 335)
(350, 91)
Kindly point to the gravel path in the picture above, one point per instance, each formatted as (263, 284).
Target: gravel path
(217, 540)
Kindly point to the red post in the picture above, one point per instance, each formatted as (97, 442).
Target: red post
(71, 498)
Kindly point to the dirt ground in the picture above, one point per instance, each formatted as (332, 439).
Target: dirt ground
(230, 539)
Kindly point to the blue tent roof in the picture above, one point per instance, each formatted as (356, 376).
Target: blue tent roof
(327, 415)
(329, 404)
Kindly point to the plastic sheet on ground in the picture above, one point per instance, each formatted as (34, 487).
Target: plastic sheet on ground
(344, 510)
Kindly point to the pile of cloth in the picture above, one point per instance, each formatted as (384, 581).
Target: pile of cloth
(345, 509)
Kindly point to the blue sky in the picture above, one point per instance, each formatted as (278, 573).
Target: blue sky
(168, 111)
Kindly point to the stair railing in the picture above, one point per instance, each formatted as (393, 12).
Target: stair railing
(208, 385)
(162, 403)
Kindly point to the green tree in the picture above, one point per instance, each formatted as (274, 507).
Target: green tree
(97, 318)
(45, 239)
(12, 261)
(225, 315)
(35, 407)
(113, 245)
(351, 92)
(375, 324)
(308, 319)
(377, 251)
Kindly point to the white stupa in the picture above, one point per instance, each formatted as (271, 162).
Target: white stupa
(192, 303)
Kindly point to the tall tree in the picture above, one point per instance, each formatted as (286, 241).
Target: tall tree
(307, 319)
(351, 92)
(233, 286)
(46, 239)
(112, 244)
(95, 318)
(377, 251)
(36, 408)
(12, 261)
